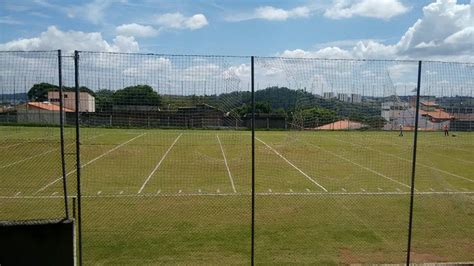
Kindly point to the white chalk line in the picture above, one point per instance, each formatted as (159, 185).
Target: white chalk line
(89, 162)
(294, 166)
(249, 194)
(41, 154)
(400, 158)
(226, 165)
(357, 164)
(445, 156)
(158, 164)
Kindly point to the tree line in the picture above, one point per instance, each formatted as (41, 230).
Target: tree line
(280, 101)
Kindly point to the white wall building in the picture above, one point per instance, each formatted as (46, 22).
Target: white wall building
(343, 97)
(329, 95)
(86, 101)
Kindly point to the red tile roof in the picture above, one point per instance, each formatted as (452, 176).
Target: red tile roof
(47, 106)
(342, 125)
(438, 114)
(429, 103)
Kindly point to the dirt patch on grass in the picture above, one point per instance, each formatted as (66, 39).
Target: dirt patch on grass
(426, 257)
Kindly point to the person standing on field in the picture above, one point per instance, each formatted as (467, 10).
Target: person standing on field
(446, 130)
(401, 131)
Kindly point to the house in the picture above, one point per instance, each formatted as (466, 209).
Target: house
(342, 125)
(40, 113)
(431, 115)
(86, 100)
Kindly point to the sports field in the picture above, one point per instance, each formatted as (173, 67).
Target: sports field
(183, 196)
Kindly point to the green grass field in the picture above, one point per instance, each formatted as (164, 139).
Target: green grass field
(183, 196)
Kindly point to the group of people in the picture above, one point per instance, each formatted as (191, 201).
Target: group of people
(445, 129)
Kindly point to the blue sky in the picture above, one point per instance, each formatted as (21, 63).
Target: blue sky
(441, 30)
(266, 28)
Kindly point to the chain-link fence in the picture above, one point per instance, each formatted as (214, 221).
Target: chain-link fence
(222, 159)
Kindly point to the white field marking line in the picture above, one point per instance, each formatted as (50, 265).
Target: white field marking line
(38, 155)
(431, 152)
(248, 194)
(89, 162)
(357, 164)
(29, 141)
(18, 194)
(400, 158)
(13, 145)
(226, 165)
(294, 166)
(159, 163)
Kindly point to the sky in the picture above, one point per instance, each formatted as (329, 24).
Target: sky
(441, 30)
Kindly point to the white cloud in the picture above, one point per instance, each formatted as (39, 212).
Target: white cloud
(383, 9)
(445, 32)
(93, 12)
(53, 38)
(179, 21)
(9, 21)
(136, 30)
(272, 13)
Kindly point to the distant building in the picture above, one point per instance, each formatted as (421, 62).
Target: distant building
(40, 113)
(356, 98)
(431, 116)
(86, 101)
(463, 118)
(329, 95)
(342, 125)
(343, 97)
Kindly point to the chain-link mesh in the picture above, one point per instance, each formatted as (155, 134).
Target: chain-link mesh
(334, 188)
(166, 156)
(443, 209)
(30, 154)
(166, 162)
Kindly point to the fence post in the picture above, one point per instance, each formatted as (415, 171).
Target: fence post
(252, 93)
(413, 167)
(78, 156)
(61, 132)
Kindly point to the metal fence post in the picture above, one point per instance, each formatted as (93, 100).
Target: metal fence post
(413, 167)
(61, 132)
(252, 254)
(78, 155)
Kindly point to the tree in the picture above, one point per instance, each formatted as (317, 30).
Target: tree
(39, 92)
(136, 95)
(104, 100)
(318, 115)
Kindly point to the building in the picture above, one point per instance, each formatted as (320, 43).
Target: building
(40, 113)
(356, 98)
(431, 116)
(342, 125)
(86, 101)
(343, 97)
(329, 95)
